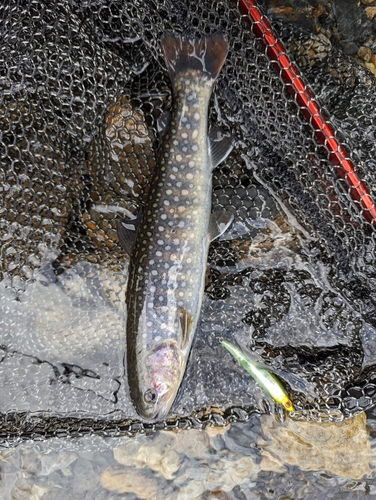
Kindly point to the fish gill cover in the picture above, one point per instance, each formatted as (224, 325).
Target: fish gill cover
(83, 85)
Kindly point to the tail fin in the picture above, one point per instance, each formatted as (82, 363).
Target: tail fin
(206, 54)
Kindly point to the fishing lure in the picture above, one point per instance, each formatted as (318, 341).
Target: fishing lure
(267, 380)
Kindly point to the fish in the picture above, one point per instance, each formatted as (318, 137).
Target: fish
(266, 379)
(168, 240)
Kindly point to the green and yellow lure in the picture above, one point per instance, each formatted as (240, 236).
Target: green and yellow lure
(269, 382)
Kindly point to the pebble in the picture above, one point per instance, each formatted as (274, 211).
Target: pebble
(350, 48)
(371, 12)
(365, 53)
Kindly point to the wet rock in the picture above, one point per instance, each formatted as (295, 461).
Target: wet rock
(340, 448)
(158, 455)
(124, 480)
(215, 495)
(193, 443)
(352, 22)
(221, 475)
(53, 462)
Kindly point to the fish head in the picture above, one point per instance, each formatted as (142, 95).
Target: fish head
(160, 380)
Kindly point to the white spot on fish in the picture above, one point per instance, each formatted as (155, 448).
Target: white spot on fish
(196, 116)
(189, 260)
(176, 143)
(157, 338)
(152, 289)
(154, 272)
(163, 216)
(181, 223)
(172, 176)
(181, 209)
(184, 135)
(161, 228)
(163, 326)
(179, 157)
(158, 253)
(166, 202)
(150, 305)
(189, 176)
(168, 191)
(194, 134)
(149, 323)
(185, 192)
(194, 147)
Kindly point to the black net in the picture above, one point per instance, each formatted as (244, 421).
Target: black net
(82, 87)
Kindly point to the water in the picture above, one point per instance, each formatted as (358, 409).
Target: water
(259, 459)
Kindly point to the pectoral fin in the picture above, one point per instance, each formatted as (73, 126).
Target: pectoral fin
(220, 146)
(127, 232)
(218, 224)
(163, 122)
(186, 323)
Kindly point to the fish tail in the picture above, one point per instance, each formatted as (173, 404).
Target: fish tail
(206, 54)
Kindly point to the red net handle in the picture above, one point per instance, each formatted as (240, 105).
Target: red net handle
(309, 107)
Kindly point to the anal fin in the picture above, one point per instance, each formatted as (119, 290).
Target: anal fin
(219, 223)
(220, 146)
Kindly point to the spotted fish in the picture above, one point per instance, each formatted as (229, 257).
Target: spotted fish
(169, 239)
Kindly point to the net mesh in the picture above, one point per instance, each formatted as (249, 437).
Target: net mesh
(82, 87)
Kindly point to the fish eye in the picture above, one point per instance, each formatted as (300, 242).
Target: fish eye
(288, 405)
(150, 396)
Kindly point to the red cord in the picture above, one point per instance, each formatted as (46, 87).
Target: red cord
(309, 107)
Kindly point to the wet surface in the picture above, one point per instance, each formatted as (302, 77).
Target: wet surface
(292, 279)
